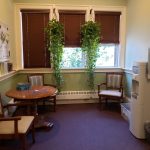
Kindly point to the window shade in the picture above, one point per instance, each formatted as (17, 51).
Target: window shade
(35, 53)
(109, 25)
(72, 21)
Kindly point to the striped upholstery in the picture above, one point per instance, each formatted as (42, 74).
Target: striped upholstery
(114, 80)
(36, 80)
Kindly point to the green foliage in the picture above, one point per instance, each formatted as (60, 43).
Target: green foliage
(55, 36)
(90, 42)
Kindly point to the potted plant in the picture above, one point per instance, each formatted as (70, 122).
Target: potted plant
(55, 36)
(90, 32)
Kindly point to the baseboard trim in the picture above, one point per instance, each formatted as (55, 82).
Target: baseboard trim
(76, 101)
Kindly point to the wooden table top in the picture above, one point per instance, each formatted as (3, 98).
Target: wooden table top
(36, 92)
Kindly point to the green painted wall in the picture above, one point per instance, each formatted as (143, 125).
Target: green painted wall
(9, 83)
(77, 2)
(128, 84)
(72, 81)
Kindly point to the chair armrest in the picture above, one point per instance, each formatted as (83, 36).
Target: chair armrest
(54, 87)
(10, 118)
(15, 119)
(121, 90)
(17, 104)
(50, 85)
(100, 85)
(20, 104)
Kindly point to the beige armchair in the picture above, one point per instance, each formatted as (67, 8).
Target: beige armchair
(112, 89)
(16, 127)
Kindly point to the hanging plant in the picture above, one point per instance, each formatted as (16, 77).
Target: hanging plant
(90, 32)
(55, 36)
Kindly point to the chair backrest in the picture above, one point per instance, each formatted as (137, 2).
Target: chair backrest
(114, 80)
(36, 79)
(1, 108)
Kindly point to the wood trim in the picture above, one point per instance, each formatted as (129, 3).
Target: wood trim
(108, 12)
(72, 12)
(35, 11)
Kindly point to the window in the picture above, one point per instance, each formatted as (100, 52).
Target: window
(72, 21)
(109, 48)
(35, 53)
(109, 24)
(74, 58)
(108, 56)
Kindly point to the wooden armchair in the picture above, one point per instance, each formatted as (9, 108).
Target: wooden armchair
(15, 127)
(113, 88)
(38, 79)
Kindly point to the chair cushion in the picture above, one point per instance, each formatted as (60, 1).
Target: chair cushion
(110, 93)
(7, 127)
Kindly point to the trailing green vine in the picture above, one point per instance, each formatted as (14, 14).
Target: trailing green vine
(90, 42)
(55, 36)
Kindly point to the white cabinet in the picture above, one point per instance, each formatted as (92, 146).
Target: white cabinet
(140, 100)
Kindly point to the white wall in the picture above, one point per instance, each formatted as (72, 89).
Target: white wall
(138, 31)
(7, 18)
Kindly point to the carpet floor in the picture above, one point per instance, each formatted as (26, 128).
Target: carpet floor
(82, 127)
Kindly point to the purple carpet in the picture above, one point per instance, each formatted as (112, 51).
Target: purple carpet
(83, 127)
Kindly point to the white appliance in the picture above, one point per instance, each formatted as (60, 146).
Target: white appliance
(140, 100)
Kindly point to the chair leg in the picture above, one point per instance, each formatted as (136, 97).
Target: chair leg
(33, 133)
(44, 102)
(106, 103)
(54, 103)
(100, 102)
(24, 142)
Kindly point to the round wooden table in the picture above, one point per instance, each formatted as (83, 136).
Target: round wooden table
(34, 94)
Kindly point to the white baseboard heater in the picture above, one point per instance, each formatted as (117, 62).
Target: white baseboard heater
(77, 97)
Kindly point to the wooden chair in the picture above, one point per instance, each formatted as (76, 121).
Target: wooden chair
(113, 88)
(38, 79)
(15, 127)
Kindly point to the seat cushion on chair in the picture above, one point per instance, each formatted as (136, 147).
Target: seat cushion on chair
(110, 93)
(7, 127)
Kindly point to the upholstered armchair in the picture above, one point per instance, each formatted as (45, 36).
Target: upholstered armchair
(16, 127)
(112, 89)
(38, 79)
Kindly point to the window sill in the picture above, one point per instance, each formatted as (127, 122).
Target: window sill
(48, 70)
(96, 70)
